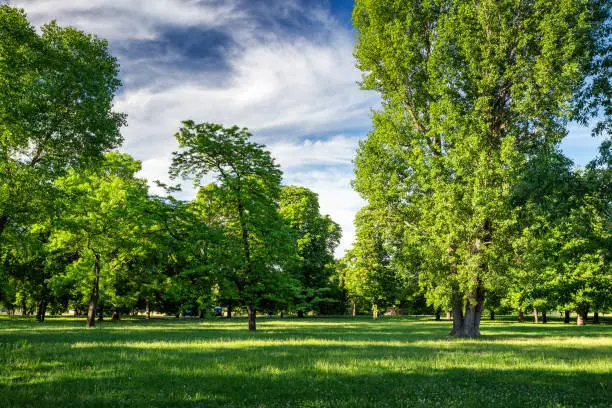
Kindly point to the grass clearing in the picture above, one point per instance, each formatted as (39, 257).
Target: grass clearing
(393, 362)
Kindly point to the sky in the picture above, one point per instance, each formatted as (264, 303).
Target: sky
(282, 68)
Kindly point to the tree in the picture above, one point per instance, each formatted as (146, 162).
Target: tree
(101, 221)
(56, 92)
(249, 185)
(469, 90)
(317, 237)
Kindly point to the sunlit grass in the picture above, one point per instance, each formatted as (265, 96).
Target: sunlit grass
(296, 363)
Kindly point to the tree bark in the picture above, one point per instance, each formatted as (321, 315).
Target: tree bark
(566, 319)
(448, 315)
(354, 307)
(3, 223)
(596, 318)
(42, 310)
(115, 316)
(95, 294)
(229, 309)
(437, 314)
(375, 312)
(147, 308)
(473, 313)
(101, 313)
(521, 316)
(300, 314)
(582, 317)
(492, 315)
(535, 315)
(252, 313)
(457, 311)
(544, 318)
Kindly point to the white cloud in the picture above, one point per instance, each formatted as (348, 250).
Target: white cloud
(129, 19)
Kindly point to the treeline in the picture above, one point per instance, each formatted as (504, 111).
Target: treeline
(79, 230)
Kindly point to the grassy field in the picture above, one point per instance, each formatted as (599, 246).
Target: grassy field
(310, 363)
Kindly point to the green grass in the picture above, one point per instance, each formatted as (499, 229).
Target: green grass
(311, 363)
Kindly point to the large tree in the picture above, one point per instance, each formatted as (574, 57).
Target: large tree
(56, 92)
(469, 91)
(249, 186)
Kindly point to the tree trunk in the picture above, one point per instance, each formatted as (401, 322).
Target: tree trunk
(229, 309)
(448, 315)
(566, 319)
(457, 310)
(252, 313)
(595, 318)
(41, 311)
(492, 315)
(473, 313)
(95, 294)
(300, 314)
(101, 313)
(115, 316)
(353, 307)
(437, 314)
(375, 312)
(544, 318)
(281, 314)
(147, 308)
(24, 307)
(3, 223)
(535, 315)
(582, 317)
(521, 316)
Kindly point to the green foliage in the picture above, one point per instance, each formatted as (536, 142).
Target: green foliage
(249, 187)
(56, 92)
(316, 237)
(470, 91)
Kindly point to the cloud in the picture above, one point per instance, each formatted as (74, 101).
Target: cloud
(284, 70)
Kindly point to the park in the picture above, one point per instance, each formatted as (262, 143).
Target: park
(326, 203)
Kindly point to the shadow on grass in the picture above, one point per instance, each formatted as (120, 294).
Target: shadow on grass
(324, 364)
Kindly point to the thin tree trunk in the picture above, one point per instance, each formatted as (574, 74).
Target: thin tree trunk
(115, 316)
(535, 315)
(596, 318)
(281, 314)
(448, 315)
(252, 313)
(521, 316)
(566, 318)
(147, 308)
(229, 309)
(544, 318)
(95, 294)
(492, 315)
(3, 223)
(101, 312)
(438, 314)
(41, 311)
(582, 317)
(300, 314)
(354, 307)
(375, 312)
(24, 307)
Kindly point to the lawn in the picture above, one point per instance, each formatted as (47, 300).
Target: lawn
(394, 362)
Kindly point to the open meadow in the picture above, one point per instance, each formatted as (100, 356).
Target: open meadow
(394, 362)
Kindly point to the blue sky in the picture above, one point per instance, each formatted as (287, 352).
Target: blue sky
(282, 68)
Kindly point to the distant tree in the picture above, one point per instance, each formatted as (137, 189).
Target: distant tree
(317, 237)
(101, 221)
(249, 185)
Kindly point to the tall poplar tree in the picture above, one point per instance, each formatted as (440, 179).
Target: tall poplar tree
(469, 91)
